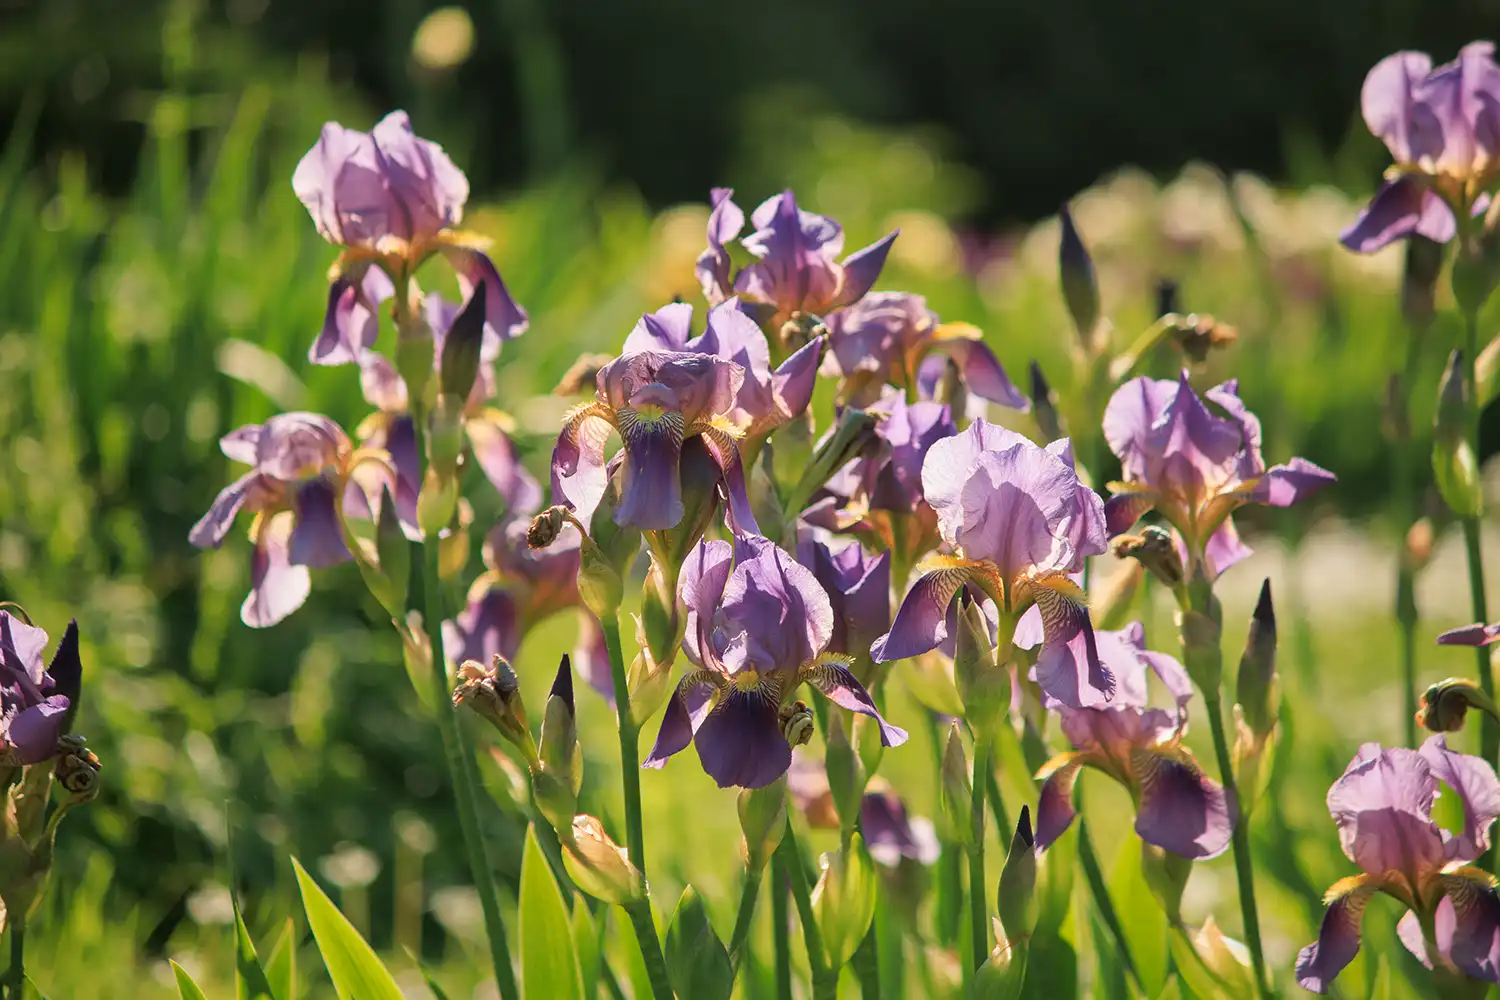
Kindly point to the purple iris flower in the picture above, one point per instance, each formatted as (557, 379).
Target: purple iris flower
(655, 400)
(795, 268)
(520, 588)
(758, 627)
(1442, 127)
(1020, 522)
(34, 711)
(767, 398)
(391, 200)
(878, 496)
(297, 482)
(858, 586)
(392, 430)
(1383, 807)
(1194, 466)
(1178, 808)
(885, 337)
(889, 831)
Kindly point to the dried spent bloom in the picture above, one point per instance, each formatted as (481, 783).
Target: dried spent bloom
(767, 398)
(35, 708)
(1442, 127)
(890, 832)
(758, 626)
(298, 481)
(1020, 523)
(1383, 807)
(1178, 807)
(1446, 703)
(893, 338)
(392, 200)
(655, 400)
(794, 270)
(1195, 467)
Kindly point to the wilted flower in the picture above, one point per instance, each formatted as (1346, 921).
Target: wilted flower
(886, 337)
(1383, 807)
(858, 586)
(655, 400)
(1178, 808)
(890, 832)
(1195, 467)
(486, 428)
(794, 270)
(1020, 522)
(300, 478)
(766, 398)
(35, 706)
(758, 626)
(391, 200)
(1442, 127)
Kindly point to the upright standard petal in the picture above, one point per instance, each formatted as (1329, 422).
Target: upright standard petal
(778, 604)
(1383, 808)
(1473, 780)
(428, 190)
(1387, 102)
(725, 220)
(700, 587)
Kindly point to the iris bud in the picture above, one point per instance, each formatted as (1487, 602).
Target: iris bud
(453, 546)
(791, 449)
(846, 774)
(1113, 600)
(560, 775)
(1080, 286)
(1454, 465)
(661, 626)
(414, 355)
(1003, 974)
(955, 792)
(1256, 685)
(843, 901)
(599, 866)
(1018, 882)
(952, 389)
(1044, 405)
(393, 552)
(649, 682)
(1200, 627)
(436, 503)
(855, 429)
(461, 348)
(762, 821)
(416, 653)
(698, 964)
(1166, 876)
(1445, 704)
(495, 694)
(983, 686)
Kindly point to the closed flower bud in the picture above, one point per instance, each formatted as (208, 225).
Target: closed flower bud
(1003, 974)
(955, 793)
(846, 774)
(854, 430)
(393, 553)
(414, 354)
(436, 503)
(560, 774)
(1155, 549)
(459, 365)
(1256, 685)
(453, 545)
(445, 436)
(1080, 286)
(495, 695)
(1018, 882)
(1445, 704)
(698, 964)
(649, 682)
(416, 653)
(1454, 465)
(1112, 602)
(1424, 262)
(1225, 957)
(791, 449)
(762, 821)
(843, 901)
(1044, 405)
(1200, 627)
(598, 866)
(1167, 876)
(661, 626)
(1417, 552)
(983, 686)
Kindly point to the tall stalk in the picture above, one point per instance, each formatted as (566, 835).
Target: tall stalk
(781, 927)
(1489, 729)
(825, 981)
(979, 913)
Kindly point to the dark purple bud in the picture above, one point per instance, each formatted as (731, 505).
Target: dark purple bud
(461, 347)
(66, 670)
(1080, 286)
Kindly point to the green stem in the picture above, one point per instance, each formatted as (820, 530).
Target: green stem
(749, 893)
(16, 974)
(630, 754)
(1099, 889)
(1243, 863)
(464, 777)
(867, 967)
(781, 928)
(646, 937)
(824, 982)
(979, 911)
(1489, 729)
(1404, 489)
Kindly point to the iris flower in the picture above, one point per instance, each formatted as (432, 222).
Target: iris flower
(1178, 808)
(1019, 522)
(758, 627)
(858, 586)
(34, 708)
(1194, 466)
(391, 200)
(1442, 127)
(1383, 807)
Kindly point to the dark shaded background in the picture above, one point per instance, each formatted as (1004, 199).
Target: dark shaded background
(1041, 98)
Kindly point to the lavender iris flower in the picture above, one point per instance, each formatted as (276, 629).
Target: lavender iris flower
(391, 200)
(1195, 467)
(1020, 522)
(858, 586)
(878, 497)
(391, 428)
(1383, 807)
(33, 711)
(767, 398)
(655, 400)
(1442, 127)
(795, 268)
(1178, 808)
(886, 336)
(758, 626)
(295, 488)
(889, 831)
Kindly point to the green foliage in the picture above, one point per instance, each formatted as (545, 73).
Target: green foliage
(356, 972)
(549, 959)
(186, 988)
(1141, 918)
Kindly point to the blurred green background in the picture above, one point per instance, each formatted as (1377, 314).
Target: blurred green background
(161, 285)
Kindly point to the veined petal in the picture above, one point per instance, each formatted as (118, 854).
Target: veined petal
(737, 512)
(740, 743)
(1474, 781)
(317, 539)
(700, 587)
(211, 528)
(686, 711)
(1181, 809)
(277, 587)
(1338, 938)
(776, 605)
(579, 473)
(1382, 805)
(921, 621)
(1470, 937)
(650, 481)
(839, 686)
(1054, 805)
(1068, 668)
(983, 373)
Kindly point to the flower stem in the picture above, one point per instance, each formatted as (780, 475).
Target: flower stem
(749, 893)
(1093, 874)
(781, 928)
(867, 967)
(1489, 729)
(979, 912)
(646, 937)
(1243, 863)
(1403, 486)
(630, 753)
(464, 777)
(824, 982)
(16, 974)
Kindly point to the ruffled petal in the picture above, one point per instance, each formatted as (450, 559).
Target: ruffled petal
(1474, 781)
(1338, 938)
(700, 587)
(1382, 805)
(725, 221)
(778, 605)
(839, 686)
(277, 587)
(579, 472)
(667, 329)
(1181, 809)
